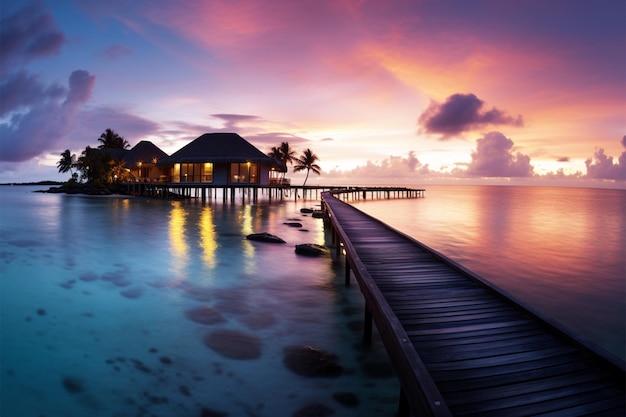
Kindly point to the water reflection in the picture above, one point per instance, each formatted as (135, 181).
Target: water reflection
(208, 237)
(179, 249)
(558, 250)
(246, 219)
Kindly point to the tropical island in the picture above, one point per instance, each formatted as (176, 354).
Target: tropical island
(213, 159)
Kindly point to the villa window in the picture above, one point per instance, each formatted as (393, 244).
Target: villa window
(244, 172)
(207, 172)
(187, 172)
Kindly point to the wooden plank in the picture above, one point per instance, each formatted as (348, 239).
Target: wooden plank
(472, 346)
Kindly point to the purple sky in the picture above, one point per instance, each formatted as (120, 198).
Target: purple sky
(407, 91)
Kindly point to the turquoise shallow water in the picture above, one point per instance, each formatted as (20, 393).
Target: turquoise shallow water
(95, 294)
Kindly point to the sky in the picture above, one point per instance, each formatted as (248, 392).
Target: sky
(383, 92)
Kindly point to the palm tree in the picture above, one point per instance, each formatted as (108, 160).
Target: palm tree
(67, 162)
(283, 153)
(94, 165)
(307, 161)
(110, 139)
(288, 155)
(274, 153)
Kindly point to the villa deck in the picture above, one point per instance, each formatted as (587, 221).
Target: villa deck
(252, 192)
(460, 347)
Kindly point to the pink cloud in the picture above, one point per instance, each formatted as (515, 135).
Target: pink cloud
(494, 157)
(393, 168)
(602, 166)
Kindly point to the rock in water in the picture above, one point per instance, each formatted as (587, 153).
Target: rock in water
(311, 249)
(73, 385)
(311, 362)
(293, 224)
(234, 344)
(204, 315)
(265, 237)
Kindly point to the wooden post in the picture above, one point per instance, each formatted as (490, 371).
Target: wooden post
(347, 271)
(367, 326)
(404, 410)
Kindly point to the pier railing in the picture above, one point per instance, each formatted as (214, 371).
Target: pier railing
(458, 344)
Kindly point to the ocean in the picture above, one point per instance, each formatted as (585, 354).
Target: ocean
(560, 251)
(114, 306)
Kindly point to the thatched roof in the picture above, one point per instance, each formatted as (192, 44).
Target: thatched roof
(220, 147)
(144, 151)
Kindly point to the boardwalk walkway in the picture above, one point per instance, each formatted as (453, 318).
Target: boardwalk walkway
(460, 347)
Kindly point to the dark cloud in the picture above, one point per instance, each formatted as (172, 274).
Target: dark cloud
(494, 158)
(563, 159)
(81, 83)
(22, 89)
(93, 121)
(36, 126)
(27, 34)
(460, 113)
(602, 166)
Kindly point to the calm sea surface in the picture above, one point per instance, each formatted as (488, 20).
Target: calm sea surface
(561, 251)
(97, 296)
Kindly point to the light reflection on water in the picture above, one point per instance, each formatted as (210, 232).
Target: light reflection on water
(208, 237)
(559, 250)
(96, 289)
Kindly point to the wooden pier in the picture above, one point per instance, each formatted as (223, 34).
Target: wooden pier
(459, 346)
(252, 192)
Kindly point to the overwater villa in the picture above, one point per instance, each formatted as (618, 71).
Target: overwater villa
(221, 159)
(216, 159)
(142, 159)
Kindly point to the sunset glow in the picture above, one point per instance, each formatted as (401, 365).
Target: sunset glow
(396, 92)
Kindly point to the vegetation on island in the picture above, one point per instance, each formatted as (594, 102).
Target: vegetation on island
(306, 161)
(97, 170)
(101, 169)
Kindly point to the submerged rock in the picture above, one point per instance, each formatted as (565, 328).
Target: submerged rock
(132, 292)
(312, 249)
(265, 237)
(88, 276)
(204, 315)
(207, 412)
(314, 410)
(73, 385)
(346, 398)
(310, 362)
(234, 344)
(117, 278)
